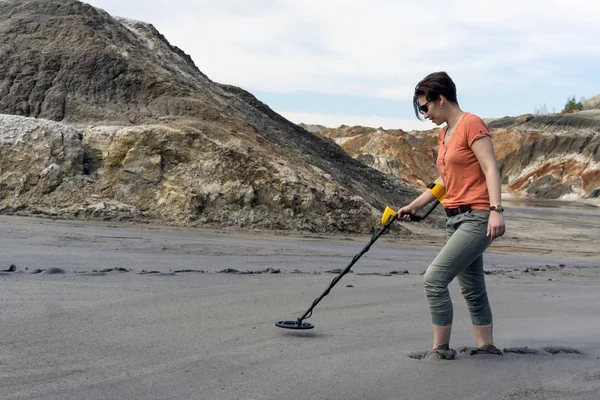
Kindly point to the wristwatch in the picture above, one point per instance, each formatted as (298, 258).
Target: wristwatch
(497, 208)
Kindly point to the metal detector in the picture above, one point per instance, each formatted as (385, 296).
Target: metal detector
(389, 216)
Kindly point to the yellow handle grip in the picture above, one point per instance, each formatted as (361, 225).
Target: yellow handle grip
(388, 213)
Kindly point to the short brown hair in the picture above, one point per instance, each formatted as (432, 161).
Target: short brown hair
(432, 86)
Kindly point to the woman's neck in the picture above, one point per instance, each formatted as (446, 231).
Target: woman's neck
(453, 117)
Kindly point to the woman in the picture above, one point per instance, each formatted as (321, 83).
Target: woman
(467, 166)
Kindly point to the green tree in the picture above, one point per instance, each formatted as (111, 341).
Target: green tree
(573, 105)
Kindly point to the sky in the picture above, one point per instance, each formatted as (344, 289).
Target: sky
(357, 62)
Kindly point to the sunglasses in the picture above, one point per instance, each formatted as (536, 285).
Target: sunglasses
(424, 108)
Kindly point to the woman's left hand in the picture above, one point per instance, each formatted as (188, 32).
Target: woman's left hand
(496, 226)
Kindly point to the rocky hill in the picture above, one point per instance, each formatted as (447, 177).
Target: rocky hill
(551, 157)
(593, 103)
(313, 128)
(408, 156)
(104, 118)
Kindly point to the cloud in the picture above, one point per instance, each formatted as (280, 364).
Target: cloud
(378, 48)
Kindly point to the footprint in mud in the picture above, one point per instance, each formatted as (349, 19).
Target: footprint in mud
(418, 355)
(449, 354)
(522, 350)
(545, 350)
(440, 353)
(561, 350)
(487, 349)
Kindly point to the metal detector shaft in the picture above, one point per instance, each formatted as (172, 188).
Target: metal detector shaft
(346, 270)
(376, 236)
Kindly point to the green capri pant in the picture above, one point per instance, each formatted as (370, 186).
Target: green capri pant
(461, 257)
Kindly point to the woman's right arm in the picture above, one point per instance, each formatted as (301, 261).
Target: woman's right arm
(425, 198)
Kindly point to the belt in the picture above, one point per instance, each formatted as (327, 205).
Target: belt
(458, 210)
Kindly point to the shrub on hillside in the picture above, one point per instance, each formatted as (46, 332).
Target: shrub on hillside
(573, 105)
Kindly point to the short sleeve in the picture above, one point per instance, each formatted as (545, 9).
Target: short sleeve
(475, 129)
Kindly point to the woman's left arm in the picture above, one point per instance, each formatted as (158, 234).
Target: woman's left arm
(484, 151)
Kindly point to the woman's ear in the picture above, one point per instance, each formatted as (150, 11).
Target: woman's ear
(441, 100)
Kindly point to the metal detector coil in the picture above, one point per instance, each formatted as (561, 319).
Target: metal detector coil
(294, 325)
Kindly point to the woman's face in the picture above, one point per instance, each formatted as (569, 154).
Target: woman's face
(430, 110)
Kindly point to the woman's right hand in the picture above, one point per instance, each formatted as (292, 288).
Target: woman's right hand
(405, 212)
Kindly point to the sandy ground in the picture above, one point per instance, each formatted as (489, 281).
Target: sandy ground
(119, 311)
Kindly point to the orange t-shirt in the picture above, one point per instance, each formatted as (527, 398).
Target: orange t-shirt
(464, 179)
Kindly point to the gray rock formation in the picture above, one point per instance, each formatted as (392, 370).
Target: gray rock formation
(593, 103)
(312, 128)
(145, 135)
(68, 61)
(37, 155)
(578, 122)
